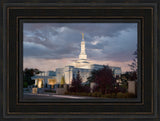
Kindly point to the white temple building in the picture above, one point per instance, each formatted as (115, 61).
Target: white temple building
(44, 79)
(82, 65)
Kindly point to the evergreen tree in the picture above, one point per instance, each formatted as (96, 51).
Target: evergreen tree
(73, 81)
(78, 80)
(76, 83)
(62, 80)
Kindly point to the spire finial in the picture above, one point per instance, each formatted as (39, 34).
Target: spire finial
(82, 36)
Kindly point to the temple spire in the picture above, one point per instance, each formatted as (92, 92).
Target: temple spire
(82, 36)
(83, 55)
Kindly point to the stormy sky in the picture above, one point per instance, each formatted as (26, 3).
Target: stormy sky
(47, 46)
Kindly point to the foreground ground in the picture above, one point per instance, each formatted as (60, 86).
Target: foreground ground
(46, 96)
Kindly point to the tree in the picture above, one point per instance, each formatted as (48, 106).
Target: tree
(132, 76)
(73, 81)
(78, 80)
(92, 78)
(133, 65)
(104, 79)
(76, 85)
(125, 76)
(27, 74)
(62, 80)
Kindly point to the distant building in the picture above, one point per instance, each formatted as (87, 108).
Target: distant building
(82, 65)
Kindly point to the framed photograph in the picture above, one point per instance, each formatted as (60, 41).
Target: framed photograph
(80, 60)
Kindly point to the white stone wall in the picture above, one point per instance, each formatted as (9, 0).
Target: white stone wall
(69, 71)
(85, 74)
(132, 87)
(92, 85)
(61, 91)
(59, 74)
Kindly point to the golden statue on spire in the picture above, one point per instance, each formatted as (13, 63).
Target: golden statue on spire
(82, 36)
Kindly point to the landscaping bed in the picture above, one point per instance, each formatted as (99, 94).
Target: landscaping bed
(98, 94)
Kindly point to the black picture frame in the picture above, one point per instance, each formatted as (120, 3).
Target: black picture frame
(14, 13)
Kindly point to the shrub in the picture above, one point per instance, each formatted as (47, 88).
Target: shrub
(96, 94)
(25, 84)
(89, 94)
(108, 95)
(85, 89)
(99, 94)
(130, 95)
(66, 93)
(53, 91)
(125, 95)
(121, 95)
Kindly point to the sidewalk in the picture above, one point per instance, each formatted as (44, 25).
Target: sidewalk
(54, 96)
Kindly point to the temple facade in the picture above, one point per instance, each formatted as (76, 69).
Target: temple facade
(45, 79)
(82, 65)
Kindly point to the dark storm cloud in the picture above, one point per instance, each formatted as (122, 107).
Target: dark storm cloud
(104, 41)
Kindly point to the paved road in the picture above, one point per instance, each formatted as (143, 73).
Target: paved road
(53, 96)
